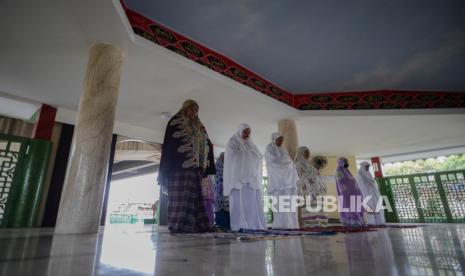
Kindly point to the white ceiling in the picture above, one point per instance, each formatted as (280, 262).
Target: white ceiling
(43, 54)
(18, 108)
(366, 136)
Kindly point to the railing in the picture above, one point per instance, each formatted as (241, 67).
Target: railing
(12, 151)
(428, 197)
(123, 219)
(267, 204)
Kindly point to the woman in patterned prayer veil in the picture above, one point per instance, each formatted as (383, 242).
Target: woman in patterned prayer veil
(312, 186)
(184, 163)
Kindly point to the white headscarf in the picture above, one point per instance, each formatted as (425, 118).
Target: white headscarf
(275, 136)
(299, 156)
(365, 175)
(277, 151)
(367, 184)
(300, 162)
(237, 141)
(242, 163)
(369, 187)
(310, 182)
(281, 170)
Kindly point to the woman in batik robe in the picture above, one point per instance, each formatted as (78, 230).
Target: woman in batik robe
(312, 187)
(183, 165)
(208, 185)
(221, 204)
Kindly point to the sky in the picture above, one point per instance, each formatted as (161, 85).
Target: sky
(329, 45)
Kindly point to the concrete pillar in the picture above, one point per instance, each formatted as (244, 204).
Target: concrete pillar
(82, 196)
(43, 128)
(288, 129)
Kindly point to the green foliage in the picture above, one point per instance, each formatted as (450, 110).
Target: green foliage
(319, 162)
(442, 163)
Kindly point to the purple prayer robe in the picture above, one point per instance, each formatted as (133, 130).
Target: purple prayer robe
(346, 187)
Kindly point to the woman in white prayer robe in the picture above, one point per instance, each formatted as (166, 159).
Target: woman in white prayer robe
(243, 181)
(369, 187)
(282, 182)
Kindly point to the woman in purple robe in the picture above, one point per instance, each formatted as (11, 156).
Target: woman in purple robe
(347, 187)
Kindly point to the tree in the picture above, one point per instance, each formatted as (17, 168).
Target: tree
(441, 163)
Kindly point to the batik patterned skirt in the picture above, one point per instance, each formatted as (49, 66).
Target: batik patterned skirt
(186, 210)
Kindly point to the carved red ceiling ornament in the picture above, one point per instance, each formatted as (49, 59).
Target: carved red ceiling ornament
(363, 100)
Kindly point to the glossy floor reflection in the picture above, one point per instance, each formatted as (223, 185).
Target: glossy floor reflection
(436, 249)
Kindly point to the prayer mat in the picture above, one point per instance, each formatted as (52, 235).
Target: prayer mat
(254, 235)
(351, 229)
(399, 226)
(337, 229)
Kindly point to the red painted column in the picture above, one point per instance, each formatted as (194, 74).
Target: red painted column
(43, 128)
(376, 163)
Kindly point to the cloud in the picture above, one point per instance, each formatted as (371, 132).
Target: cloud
(423, 64)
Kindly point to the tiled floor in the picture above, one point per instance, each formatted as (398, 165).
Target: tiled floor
(436, 249)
